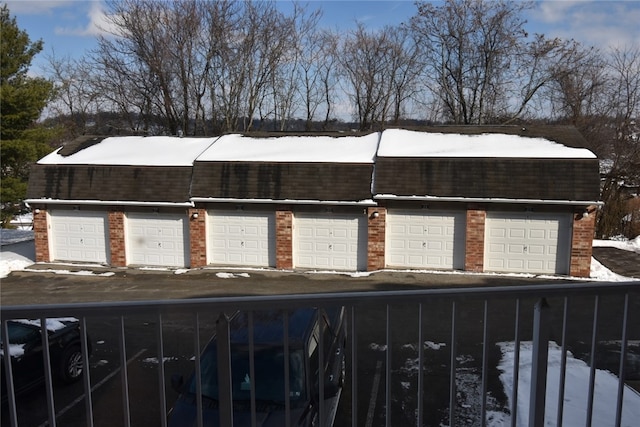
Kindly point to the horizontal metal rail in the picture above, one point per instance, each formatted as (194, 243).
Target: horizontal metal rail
(353, 301)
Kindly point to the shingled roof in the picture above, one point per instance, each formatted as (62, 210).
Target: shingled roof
(479, 162)
(497, 163)
(118, 169)
(312, 168)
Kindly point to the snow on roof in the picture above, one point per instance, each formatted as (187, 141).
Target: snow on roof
(312, 149)
(406, 143)
(174, 151)
(135, 151)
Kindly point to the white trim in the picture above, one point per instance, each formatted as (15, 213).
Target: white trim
(368, 202)
(107, 203)
(487, 200)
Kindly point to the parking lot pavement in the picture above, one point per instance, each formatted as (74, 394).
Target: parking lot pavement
(624, 263)
(58, 284)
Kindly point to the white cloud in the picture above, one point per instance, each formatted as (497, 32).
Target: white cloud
(36, 7)
(98, 24)
(604, 24)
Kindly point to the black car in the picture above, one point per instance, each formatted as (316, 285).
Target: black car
(25, 347)
(304, 335)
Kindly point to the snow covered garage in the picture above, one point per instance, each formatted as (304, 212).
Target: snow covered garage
(118, 201)
(503, 199)
(288, 201)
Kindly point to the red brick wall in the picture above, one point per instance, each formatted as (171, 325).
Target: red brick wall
(376, 238)
(582, 243)
(284, 238)
(198, 237)
(474, 244)
(116, 239)
(41, 235)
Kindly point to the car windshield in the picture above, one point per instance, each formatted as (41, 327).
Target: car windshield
(269, 374)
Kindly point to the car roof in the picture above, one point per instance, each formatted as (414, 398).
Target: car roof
(268, 326)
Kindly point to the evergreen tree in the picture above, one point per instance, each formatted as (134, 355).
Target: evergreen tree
(22, 100)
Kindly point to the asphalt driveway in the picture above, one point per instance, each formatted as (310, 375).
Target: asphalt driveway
(49, 284)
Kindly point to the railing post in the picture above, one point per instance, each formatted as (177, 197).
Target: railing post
(11, 396)
(539, 356)
(225, 393)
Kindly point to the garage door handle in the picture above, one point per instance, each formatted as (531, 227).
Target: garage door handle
(330, 246)
(525, 249)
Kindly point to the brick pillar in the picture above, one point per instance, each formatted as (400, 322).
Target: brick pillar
(474, 240)
(198, 237)
(41, 235)
(117, 248)
(582, 243)
(377, 219)
(284, 238)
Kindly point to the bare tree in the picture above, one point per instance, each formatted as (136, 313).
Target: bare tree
(296, 31)
(479, 62)
(75, 97)
(372, 63)
(328, 75)
(623, 169)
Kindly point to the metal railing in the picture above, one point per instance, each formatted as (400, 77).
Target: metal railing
(531, 316)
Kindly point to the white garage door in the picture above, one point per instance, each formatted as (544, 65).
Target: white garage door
(241, 238)
(330, 241)
(81, 236)
(157, 239)
(527, 243)
(425, 239)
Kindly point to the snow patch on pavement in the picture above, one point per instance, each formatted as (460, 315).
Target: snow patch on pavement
(576, 389)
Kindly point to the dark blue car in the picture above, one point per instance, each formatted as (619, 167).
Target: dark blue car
(269, 359)
(26, 350)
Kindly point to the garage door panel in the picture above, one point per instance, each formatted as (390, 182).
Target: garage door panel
(536, 242)
(497, 232)
(425, 239)
(241, 238)
(516, 264)
(517, 233)
(539, 234)
(413, 230)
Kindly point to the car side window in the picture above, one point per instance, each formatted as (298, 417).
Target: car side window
(22, 334)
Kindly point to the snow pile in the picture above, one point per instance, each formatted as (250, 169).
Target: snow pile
(601, 273)
(576, 389)
(406, 143)
(17, 250)
(12, 262)
(223, 275)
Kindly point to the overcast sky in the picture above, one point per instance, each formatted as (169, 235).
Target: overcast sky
(70, 27)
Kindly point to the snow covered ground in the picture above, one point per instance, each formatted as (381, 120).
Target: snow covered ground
(576, 390)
